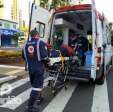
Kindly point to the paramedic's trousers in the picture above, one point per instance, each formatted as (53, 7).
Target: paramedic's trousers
(36, 80)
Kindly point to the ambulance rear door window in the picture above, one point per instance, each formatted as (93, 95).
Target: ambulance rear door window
(40, 27)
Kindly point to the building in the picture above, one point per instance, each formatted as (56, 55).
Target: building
(9, 18)
(15, 11)
(20, 18)
(8, 33)
(5, 10)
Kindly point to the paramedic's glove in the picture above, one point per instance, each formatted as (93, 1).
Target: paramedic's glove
(46, 62)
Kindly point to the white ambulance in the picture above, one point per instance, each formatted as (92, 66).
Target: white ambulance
(82, 19)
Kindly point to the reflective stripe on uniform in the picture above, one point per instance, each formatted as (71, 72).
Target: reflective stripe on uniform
(38, 50)
(37, 89)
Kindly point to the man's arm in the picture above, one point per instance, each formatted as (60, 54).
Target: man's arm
(44, 54)
(43, 50)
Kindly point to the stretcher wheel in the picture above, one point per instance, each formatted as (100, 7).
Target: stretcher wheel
(54, 92)
(66, 87)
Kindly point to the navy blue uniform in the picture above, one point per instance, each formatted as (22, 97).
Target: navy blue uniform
(34, 54)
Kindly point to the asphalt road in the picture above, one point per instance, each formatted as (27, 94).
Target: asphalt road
(79, 97)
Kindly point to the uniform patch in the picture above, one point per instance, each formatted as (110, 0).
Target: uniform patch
(31, 49)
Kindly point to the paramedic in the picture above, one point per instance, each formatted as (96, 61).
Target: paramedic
(84, 47)
(35, 54)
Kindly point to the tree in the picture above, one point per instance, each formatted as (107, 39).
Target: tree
(44, 3)
(54, 4)
(59, 3)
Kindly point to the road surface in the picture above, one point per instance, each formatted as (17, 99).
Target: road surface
(79, 97)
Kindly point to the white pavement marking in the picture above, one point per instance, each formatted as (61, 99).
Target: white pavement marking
(5, 79)
(13, 72)
(18, 84)
(59, 102)
(17, 101)
(100, 99)
(20, 99)
(8, 66)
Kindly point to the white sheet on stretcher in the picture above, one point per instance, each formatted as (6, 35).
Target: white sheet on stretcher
(58, 59)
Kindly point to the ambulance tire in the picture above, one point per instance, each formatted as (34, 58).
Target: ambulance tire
(100, 80)
(91, 81)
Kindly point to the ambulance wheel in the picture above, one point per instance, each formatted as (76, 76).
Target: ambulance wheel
(54, 92)
(101, 79)
(91, 81)
(66, 87)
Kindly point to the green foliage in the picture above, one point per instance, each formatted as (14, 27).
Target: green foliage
(44, 3)
(59, 3)
(16, 35)
(55, 4)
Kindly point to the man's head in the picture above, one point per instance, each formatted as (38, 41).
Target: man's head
(34, 34)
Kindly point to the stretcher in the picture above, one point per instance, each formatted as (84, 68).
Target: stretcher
(58, 70)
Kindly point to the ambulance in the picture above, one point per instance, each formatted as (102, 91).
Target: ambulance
(80, 19)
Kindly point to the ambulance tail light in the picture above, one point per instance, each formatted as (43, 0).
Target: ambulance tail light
(98, 57)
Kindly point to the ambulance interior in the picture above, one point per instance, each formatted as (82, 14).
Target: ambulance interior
(69, 23)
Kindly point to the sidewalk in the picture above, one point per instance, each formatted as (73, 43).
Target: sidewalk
(12, 76)
(11, 56)
(14, 71)
(11, 48)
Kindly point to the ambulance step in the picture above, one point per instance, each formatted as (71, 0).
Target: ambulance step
(79, 75)
(78, 79)
(81, 72)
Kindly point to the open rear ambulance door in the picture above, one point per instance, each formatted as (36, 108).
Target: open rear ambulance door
(39, 20)
(94, 25)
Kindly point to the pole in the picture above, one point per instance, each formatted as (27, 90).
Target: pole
(30, 18)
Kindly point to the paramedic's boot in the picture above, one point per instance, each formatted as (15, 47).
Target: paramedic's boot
(31, 107)
(39, 100)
